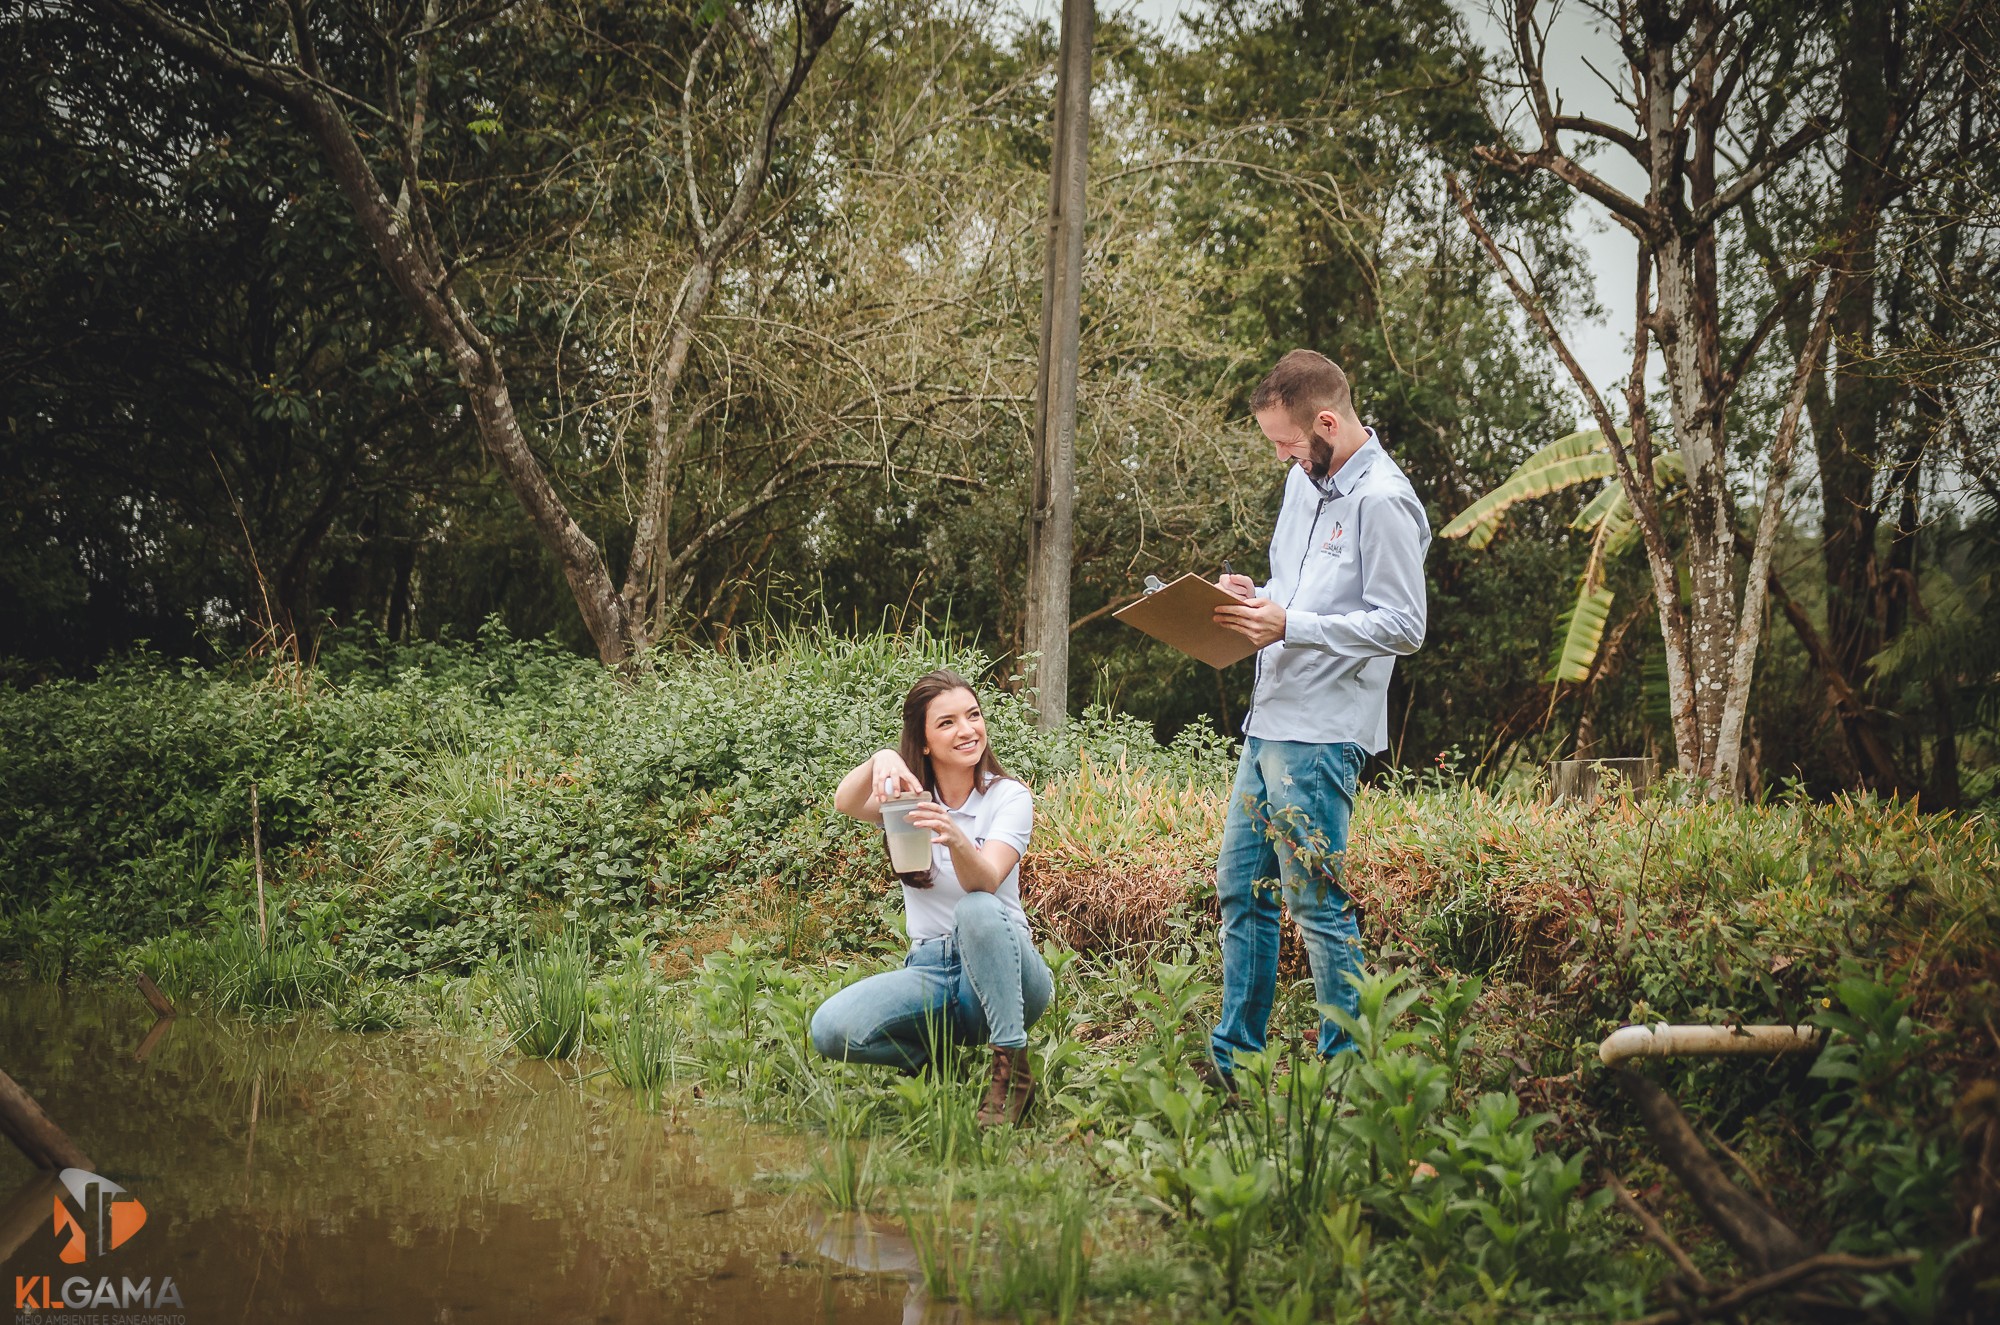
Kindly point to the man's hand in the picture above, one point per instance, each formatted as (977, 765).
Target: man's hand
(1240, 585)
(1259, 620)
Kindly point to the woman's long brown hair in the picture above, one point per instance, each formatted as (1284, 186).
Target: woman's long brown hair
(916, 712)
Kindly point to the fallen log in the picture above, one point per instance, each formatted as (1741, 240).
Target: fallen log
(30, 1130)
(154, 996)
(1765, 1242)
(1733, 1301)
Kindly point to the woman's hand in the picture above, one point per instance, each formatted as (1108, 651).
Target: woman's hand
(889, 776)
(860, 793)
(980, 869)
(945, 831)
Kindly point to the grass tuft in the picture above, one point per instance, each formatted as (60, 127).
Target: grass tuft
(544, 997)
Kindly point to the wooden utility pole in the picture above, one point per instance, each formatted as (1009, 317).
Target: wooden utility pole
(1052, 499)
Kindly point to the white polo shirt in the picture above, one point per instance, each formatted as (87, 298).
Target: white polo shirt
(1003, 812)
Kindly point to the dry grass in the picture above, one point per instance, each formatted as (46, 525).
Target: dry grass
(1119, 853)
(1481, 879)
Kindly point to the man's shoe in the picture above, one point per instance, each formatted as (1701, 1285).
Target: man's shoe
(1208, 1068)
(1210, 1074)
(1011, 1090)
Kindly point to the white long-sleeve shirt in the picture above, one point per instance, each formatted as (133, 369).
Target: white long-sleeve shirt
(1347, 563)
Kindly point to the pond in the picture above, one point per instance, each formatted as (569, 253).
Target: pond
(292, 1173)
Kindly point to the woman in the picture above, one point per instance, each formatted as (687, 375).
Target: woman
(973, 975)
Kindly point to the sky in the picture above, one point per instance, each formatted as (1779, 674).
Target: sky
(1602, 345)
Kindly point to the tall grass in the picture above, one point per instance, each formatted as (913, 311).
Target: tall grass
(940, 1109)
(1041, 1265)
(845, 1172)
(946, 1259)
(642, 1045)
(544, 996)
(239, 972)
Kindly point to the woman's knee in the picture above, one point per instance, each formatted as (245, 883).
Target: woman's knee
(979, 917)
(830, 1038)
(1038, 988)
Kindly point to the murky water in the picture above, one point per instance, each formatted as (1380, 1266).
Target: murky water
(295, 1174)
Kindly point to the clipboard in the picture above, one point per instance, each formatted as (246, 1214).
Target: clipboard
(1182, 615)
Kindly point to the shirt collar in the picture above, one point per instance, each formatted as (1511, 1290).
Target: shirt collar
(972, 802)
(1356, 467)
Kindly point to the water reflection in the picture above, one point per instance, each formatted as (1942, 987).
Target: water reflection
(294, 1174)
(872, 1245)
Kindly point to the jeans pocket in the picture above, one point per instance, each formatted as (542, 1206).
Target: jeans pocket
(930, 952)
(1344, 761)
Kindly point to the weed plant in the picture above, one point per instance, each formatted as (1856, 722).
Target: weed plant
(642, 1048)
(1040, 1267)
(947, 1253)
(844, 1174)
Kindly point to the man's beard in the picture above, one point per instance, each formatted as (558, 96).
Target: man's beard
(1319, 457)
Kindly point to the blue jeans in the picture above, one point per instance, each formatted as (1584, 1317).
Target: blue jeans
(983, 983)
(1302, 795)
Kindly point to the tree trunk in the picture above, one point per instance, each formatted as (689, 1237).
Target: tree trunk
(1052, 488)
(1858, 403)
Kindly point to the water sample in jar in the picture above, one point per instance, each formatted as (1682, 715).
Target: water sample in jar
(909, 845)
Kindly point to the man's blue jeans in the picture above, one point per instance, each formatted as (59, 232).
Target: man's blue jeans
(983, 983)
(1286, 835)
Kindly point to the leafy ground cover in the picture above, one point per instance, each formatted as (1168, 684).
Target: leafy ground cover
(645, 875)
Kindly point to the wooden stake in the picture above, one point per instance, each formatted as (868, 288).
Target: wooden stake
(1052, 471)
(154, 996)
(26, 1213)
(257, 854)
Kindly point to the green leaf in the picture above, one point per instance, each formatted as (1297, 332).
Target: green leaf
(1582, 632)
(1563, 463)
(1612, 517)
(1603, 507)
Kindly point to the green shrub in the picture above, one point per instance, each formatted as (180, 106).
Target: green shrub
(436, 802)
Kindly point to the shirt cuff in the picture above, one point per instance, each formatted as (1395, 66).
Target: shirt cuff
(1295, 628)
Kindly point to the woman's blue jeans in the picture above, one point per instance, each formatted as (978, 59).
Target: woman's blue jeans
(1285, 837)
(983, 983)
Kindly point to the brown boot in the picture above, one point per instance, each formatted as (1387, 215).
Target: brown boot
(1011, 1090)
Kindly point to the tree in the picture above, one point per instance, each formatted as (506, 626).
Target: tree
(214, 409)
(1895, 200)
(1723, 96)
(330, 64)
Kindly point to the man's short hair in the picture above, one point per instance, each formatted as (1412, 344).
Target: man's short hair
(1304, 382)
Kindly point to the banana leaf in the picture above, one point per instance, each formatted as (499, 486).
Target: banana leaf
(1563, 463)
(1609, 509)
(1582, 631)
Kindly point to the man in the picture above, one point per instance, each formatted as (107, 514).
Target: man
(1345, 600)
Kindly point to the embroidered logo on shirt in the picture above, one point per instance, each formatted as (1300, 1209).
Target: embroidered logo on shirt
(1336, 542)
